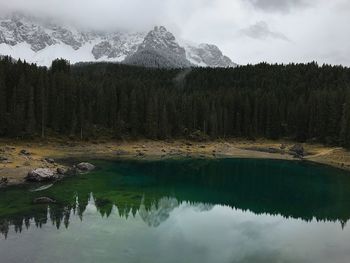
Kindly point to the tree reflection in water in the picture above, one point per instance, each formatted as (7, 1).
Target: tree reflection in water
(152, 190)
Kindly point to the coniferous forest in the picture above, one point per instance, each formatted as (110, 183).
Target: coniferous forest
(304, 102)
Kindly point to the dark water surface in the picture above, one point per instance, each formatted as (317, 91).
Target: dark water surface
(230, 210)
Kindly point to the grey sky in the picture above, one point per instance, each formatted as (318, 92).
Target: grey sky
(261, 30)
(279, 5)
(249, 31)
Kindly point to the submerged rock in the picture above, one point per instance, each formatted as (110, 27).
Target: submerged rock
(41, 188)
(44, 200)
(68, 171)
(86, 167)
(41, 174)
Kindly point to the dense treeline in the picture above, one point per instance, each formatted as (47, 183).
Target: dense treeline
(298, 101)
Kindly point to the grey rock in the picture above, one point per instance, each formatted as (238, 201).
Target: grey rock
(3, 181)
(86, 167)
(103, 49)
(3, 159)
(209, 55)
(161, 39)
(41, 188)
(72, 171)
(41, 175)
(297, 150)
(50, 160)
(283, 146)
(157, 48)
(25, 152)
(141, 154)
(61, 171)
(67, 37)
(44, 200)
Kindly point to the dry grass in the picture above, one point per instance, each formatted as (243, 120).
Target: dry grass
(19, 164)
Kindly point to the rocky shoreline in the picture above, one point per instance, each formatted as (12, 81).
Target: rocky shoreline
(25, 162)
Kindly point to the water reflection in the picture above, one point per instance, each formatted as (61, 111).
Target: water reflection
(173, 231)
(154, 189)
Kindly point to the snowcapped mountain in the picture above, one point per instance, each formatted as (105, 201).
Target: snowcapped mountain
(159, 49)
(39, 41)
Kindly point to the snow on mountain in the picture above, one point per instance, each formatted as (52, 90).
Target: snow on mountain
(207, 55)
(39, 41)
(159, 49)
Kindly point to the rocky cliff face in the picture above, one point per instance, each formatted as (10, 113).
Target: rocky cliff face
(159, 49)
(40, 42)
(208, 55)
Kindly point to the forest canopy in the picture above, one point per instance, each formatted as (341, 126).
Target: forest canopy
(304, 102)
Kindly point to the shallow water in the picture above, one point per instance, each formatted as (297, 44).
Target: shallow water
(230, 210)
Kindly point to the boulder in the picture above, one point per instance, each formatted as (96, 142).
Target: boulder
(3, 158)
(86, 167)
(44, 200)
(3, 181)
(61, 171)
(49, 160)
(297, 150)
(41, 174)
(141, 154)
(24, 152)
(72, 171)
(273, 150)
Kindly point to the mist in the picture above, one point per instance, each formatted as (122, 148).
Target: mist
(249, 31)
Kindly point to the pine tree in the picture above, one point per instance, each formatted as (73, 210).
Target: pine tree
(3, 106)
(30, 122)
(345, 123)
(164, 125)
(134, 122)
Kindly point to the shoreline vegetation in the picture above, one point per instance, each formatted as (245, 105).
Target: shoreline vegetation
(18, 158)
(100, 104)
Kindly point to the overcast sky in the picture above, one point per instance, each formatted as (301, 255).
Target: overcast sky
(249, 31)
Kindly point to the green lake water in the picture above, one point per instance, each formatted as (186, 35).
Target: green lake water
(229, 210)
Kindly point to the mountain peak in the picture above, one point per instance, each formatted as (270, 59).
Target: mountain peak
(160, 29)
(159, 49)
(161, 39)
(40, 41)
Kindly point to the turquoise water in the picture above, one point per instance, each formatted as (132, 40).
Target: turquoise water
(230, 210)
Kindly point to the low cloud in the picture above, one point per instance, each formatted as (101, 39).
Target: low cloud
(261, 30)
(286, 31)
(278, 5)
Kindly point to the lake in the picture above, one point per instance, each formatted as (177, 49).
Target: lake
(225, 210)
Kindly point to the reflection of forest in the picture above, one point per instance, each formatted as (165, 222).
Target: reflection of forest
(262, 186)
(152, 214)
